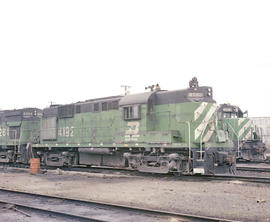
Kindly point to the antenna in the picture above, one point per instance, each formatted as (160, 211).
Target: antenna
(153, 87)
(126, 88)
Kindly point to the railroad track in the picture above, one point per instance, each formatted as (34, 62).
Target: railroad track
(210, 177)
(255, 169)
(131, 172)
(26, 210)
(267, 161)
(81, 210)
(235, 177)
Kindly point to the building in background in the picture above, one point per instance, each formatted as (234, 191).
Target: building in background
(264, 123)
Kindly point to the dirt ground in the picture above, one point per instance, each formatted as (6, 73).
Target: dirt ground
(242, 201)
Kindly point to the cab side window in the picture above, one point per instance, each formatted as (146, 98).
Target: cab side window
(132, 112)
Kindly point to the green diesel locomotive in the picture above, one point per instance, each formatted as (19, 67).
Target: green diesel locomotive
(19, 129)
(157, 131)
(246, 136)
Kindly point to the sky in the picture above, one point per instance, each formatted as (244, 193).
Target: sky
(68, 51)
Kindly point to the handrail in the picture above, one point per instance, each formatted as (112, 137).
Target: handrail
(189, 143)
(201, 139)
(238, 143)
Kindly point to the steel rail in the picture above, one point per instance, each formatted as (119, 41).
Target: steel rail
(218, 177)
(267, 161)
(125, 208)
(212, 177)
(235, 177)
(132, 172)
(47, 211)
(256, 169)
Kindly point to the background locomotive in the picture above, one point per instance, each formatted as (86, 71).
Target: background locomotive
(158, 131)
(19, 129)
(246, 136)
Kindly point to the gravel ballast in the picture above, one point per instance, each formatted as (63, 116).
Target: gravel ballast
(242, 201)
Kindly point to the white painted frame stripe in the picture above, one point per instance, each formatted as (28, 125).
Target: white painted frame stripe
(244, 128)
(199, 110)
(204, 123)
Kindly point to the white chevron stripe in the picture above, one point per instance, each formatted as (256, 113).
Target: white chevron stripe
(208, 135)
(203, 124)
(199, 110)
(248, 136)
(244, 128)
(240, 120)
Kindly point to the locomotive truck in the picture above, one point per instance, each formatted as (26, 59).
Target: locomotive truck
(158, 131)
(246, 136)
